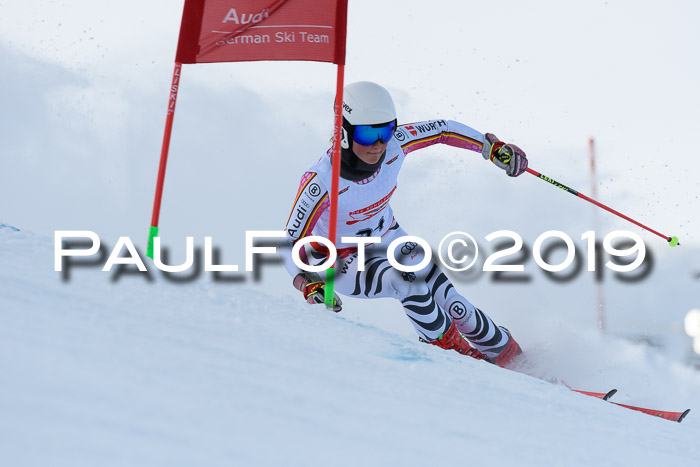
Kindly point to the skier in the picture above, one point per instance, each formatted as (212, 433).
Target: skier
(373, 149)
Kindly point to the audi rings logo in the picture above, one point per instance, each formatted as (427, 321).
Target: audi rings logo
(314, 190)
(408, 247)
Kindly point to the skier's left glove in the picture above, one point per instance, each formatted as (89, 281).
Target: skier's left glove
(508, 157)
(314, 289)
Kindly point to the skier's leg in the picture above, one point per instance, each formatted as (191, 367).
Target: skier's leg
(477, 326)
(425, 297)
(379, 279)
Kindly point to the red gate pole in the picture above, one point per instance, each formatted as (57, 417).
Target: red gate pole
(172, 100)
(600, 297)
(333, 223)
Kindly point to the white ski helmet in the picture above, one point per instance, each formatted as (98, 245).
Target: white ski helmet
(367, 103)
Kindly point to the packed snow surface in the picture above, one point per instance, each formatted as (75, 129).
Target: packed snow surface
(136, 372)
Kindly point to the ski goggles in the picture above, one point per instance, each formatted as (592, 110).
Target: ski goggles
(367, 135)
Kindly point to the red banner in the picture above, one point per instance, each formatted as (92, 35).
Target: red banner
(249, 30)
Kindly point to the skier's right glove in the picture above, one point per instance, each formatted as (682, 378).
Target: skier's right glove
(508, 157)
(314, 289)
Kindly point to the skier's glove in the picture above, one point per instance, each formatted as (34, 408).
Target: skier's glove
(314, 289)
(508, 157)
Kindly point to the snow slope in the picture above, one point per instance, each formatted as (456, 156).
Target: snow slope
(154, 373)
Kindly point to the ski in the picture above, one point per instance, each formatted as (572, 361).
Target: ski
(600, 395)
(673, 416)
(606, 396)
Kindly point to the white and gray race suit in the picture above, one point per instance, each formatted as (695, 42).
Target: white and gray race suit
(429, 299)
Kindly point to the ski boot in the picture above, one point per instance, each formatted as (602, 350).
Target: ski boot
(452, 339)
(509, 353)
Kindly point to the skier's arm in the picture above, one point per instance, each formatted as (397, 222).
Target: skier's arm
(419, 135)
(310, 203)
(508, 157)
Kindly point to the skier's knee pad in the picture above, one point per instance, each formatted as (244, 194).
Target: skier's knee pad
(410, 254)
(406, 284)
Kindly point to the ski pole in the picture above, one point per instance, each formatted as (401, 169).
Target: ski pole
(672, 241)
